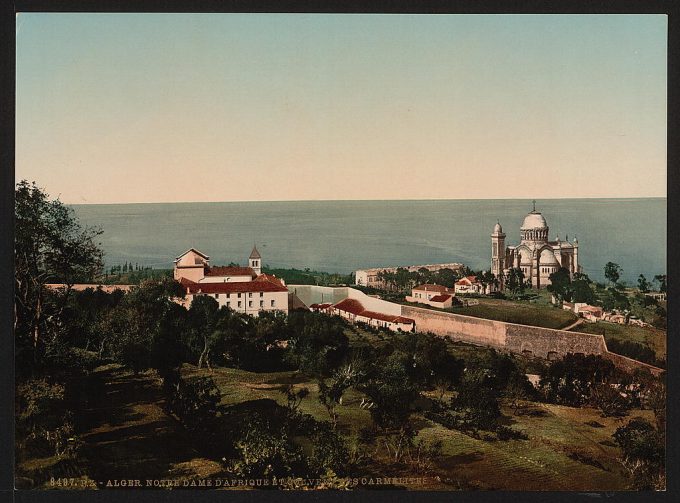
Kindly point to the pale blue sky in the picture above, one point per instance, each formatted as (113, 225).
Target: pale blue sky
(228, 107)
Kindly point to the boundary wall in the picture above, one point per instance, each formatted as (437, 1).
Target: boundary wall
(541, 342)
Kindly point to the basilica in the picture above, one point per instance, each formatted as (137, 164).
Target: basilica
(535, 255)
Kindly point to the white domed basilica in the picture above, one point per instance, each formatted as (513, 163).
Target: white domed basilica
(535, 255)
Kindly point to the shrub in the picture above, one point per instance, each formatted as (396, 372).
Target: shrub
(195, 402)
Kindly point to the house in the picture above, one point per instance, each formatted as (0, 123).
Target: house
(468, 284)
(432, 295)
(353, 311)
(591, 313)
(243, 289)
(615, 318)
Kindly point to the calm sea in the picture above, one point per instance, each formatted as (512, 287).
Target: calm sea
(342, 236)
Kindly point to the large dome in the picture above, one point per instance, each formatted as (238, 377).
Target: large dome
(534, 220)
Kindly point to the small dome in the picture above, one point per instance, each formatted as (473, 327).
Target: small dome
(534, 220)
(497, 229)
(548, 258)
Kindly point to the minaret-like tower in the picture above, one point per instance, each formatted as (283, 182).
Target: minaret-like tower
(498, 251)
(255, 261)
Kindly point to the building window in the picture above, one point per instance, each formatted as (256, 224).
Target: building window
(217, 295)
(262, 303)
(228, 303)
(261, 294)
(250, 303)
(239, 296)
(273, 303)
(250, 294)
(239, 303)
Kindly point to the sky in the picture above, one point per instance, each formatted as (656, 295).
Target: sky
(118, 108)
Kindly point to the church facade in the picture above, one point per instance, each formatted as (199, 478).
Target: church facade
(535, 255)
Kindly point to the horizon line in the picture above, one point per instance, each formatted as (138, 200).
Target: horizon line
(369, 200)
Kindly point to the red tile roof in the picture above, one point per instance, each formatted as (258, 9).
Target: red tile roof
(350, 306)
(432, 288)
(386, 317)
(269, 277)
(234, 287)
(229, 271)
(353, 306)
(464, 281)
(440, 298)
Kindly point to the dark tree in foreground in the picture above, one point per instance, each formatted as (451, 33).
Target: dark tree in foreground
(477, 400)
(644, 453)
(50, 246)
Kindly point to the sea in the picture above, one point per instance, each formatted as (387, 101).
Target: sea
(343, 236)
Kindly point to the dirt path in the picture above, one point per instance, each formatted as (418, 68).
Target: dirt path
(129, 436)
(574, 325)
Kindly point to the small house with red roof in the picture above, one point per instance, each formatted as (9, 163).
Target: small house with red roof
(468, 284)
(243, 289)
(432, 295)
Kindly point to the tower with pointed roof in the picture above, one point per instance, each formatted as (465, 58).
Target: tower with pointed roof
(255, 261)
(498, 251)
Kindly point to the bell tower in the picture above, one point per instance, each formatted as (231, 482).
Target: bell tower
(255, 261)
(498, 251)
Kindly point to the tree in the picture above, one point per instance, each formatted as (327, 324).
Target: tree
(643, 284)
(569, 380)
(515, 280)
(330, 394)
(612, 272)
(581, 290)
(392, 394)
(477, 400)
(644, 453)
(50, 246)
(560, 285)
(660, 279)
(202, 319)
(609, 400)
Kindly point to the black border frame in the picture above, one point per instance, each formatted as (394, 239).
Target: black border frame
(7, 110)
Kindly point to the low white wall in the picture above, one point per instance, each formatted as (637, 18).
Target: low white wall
(311, 294)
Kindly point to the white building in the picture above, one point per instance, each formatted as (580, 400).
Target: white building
(432, 295)
(468, 284)
(243, 289)
(535, 255)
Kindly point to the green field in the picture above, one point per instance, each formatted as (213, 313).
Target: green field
(562, 452)
(537, 314)
(653, 338)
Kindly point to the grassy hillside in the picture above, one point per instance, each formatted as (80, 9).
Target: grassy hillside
(563, 452)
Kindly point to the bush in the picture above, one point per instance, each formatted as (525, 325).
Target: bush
(609, 400)
(644, 451)
(44, 425)
(264, 451)
(195, 402)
